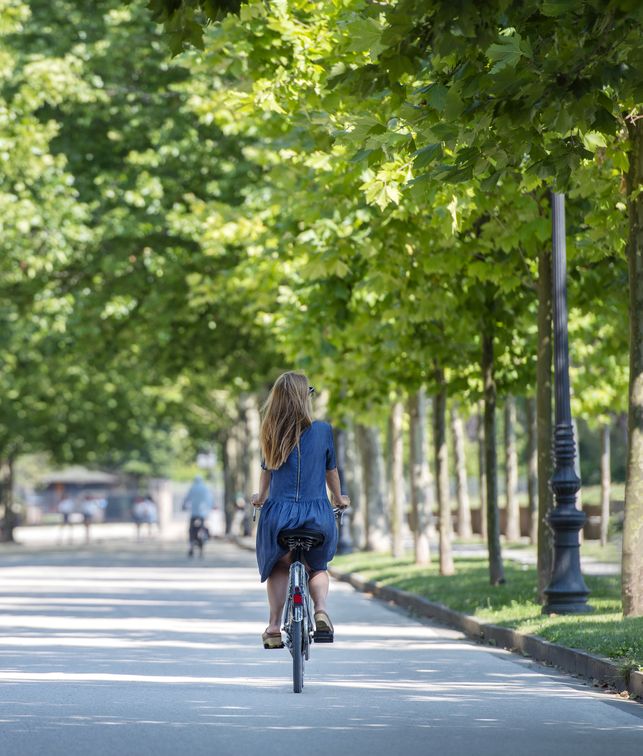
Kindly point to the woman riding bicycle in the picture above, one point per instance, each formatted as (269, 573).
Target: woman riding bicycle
(298, 463)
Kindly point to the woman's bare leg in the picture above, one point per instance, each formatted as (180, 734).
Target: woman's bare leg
(277, 586)
(318, 585)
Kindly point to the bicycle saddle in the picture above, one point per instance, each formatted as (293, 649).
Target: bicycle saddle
(305, 537)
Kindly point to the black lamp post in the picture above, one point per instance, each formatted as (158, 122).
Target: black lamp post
(566, 592)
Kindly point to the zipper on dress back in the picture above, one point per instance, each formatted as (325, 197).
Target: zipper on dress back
(298, 470)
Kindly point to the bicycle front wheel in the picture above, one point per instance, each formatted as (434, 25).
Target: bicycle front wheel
(297, 656)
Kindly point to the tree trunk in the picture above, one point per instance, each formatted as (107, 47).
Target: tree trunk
(606, 482)
(462, 487)
(482, 473)
(532, 469)
(396, 431)
(579, 495)
(374, 487)
(3, 501)
(354, 477)
(420, 477)
(544, 423)
(511, 472)
(253, 443)
(242, 462)
(442, 474)
(496, 569)
(320, 404)
(339, 442)
(632, 571)
(228, 454)
(6, 499)
(621, 424)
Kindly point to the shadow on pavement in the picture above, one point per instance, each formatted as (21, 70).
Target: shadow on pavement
(137, 642)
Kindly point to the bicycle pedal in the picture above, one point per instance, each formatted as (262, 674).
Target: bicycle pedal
(323, 636)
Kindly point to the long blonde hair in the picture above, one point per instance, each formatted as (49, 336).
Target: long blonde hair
(285, 416)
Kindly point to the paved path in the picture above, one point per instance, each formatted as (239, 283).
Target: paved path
(112, 652)
(42, 536)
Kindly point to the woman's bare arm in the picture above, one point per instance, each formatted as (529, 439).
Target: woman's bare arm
(336, 496)
(258, 499)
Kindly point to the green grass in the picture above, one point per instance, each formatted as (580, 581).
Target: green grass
(590, 495)
(605, 632)
(610, 553)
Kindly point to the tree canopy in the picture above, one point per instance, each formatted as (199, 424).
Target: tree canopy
(355, 189)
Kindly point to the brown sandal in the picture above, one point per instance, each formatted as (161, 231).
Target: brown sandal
(272, 640)
(324, 630)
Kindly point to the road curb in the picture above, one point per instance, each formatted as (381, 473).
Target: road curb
(635, 684)
(599, 670)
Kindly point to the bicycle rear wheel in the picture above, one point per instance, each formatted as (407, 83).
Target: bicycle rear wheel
(297, 651)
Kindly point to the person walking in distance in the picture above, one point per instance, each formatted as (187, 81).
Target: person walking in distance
(198, 502)
(298, 464)
(150, 514)
(138, 515)
(89, 510)
(66, 508)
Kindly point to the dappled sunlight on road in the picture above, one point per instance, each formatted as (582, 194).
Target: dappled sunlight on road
(123, 624)
(100, 581)
(149, 650)
(262, 682)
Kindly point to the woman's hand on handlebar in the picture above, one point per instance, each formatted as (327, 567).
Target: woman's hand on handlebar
(257, 503)
(343, 502)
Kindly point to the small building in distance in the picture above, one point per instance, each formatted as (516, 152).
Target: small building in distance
(74, 482)
(77, 483)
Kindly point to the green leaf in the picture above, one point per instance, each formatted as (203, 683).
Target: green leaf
(361, 155)
(593, 140)
(605, 121)
(454, 104)
(427, 155)
(365, 36)
(558, 7)
(491, 181)
(506, 53)
(456, 175)
(436, 96)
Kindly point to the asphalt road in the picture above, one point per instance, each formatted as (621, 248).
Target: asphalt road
(121, 649)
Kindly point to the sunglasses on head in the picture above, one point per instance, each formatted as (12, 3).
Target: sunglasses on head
(311, 390)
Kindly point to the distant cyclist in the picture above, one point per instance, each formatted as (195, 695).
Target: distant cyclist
(198, 502)
(299, 462)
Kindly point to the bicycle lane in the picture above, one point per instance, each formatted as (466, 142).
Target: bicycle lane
(136, 651)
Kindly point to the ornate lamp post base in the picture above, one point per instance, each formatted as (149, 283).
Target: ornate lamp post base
(567, 592)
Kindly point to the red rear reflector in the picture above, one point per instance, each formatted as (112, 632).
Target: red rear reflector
(298, 599)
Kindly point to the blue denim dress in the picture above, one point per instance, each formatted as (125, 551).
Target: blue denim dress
(298, 499)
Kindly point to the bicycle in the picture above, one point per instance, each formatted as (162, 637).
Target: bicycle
(199, 535)
(298, 617)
